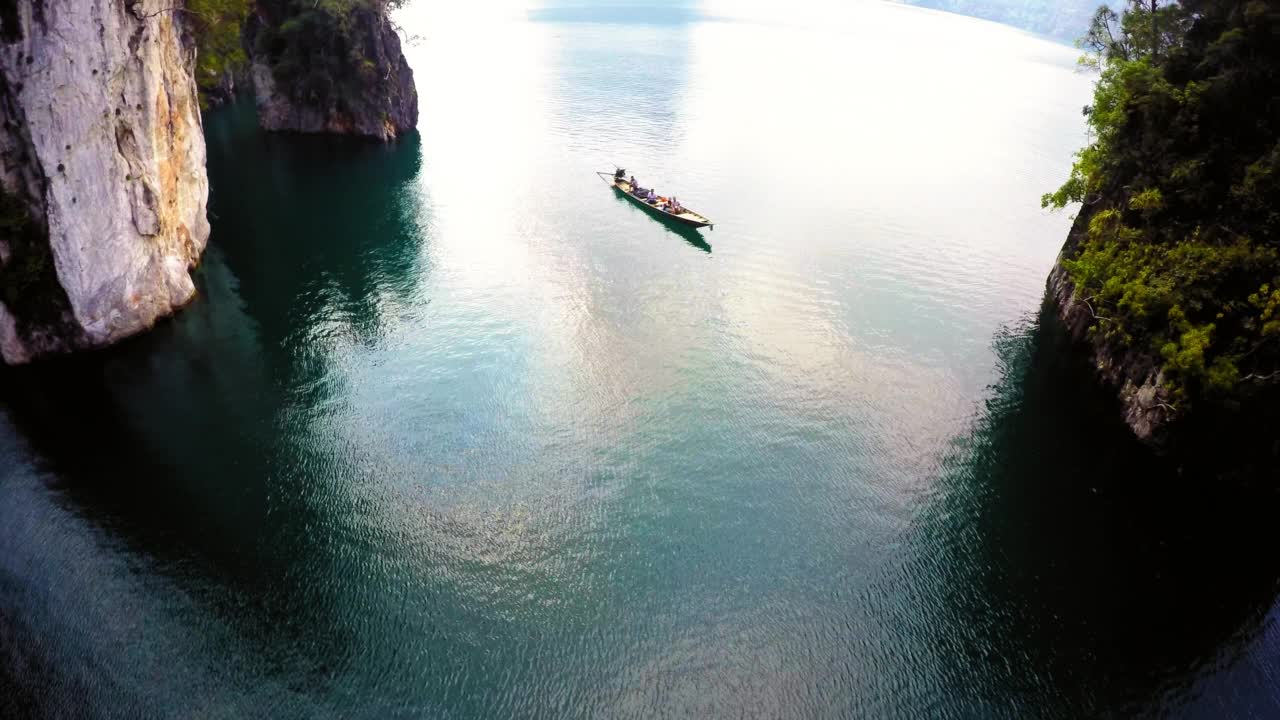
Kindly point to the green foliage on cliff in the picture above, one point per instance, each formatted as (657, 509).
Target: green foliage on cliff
(313, 47)
(216, 26)
(306, 39)
(1181, 188)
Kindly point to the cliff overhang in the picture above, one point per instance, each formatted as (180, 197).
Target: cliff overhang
(102, 173)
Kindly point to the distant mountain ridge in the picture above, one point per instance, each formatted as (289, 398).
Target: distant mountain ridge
(1063, 21)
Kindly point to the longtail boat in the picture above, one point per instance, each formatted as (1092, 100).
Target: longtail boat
(661, 208)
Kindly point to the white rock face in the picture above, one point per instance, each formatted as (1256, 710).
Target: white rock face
(102, 136)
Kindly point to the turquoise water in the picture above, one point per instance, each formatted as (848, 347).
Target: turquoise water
(452, 431)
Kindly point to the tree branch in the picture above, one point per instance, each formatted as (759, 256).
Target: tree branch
(1093, 312)
(137, 11)
(1261, 378)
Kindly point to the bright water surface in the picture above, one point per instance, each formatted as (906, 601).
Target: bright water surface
(452, 431)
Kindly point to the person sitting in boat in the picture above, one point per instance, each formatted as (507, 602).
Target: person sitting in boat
(632, 182)
(652, 197)
(673, 205)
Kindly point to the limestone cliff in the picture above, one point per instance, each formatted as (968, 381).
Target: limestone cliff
(102, 172)
(315, 72)
(1135, 376)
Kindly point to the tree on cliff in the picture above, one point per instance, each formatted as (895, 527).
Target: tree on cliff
(318, 25)
(1144, 29)
(331, 66)
(1180, 186)
(216, 26)
(311, 49)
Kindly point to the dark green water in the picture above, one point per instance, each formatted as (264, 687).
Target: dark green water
(453, 432)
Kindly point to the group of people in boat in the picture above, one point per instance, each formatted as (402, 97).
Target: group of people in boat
(670, 204)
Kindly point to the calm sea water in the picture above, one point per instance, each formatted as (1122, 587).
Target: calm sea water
(452, 431)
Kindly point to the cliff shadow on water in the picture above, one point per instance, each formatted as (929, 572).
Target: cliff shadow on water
(319, 239)
(1084, 575)
(195, 446)
(315, 223)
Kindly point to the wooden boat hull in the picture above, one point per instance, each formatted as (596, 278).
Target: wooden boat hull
(687, 218)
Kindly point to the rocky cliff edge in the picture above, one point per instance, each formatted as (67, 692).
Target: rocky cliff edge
(103, 189)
